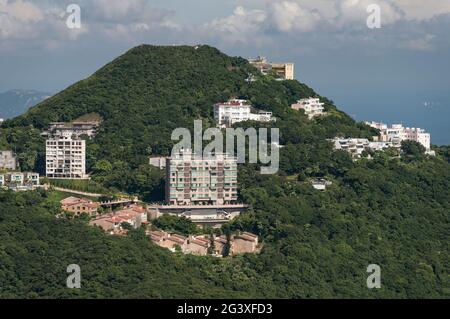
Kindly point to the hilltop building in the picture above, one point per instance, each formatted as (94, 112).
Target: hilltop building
(18, 181)
(396, 133)
(312, 107)
(284, 70)
(8, 160)
(235, 110)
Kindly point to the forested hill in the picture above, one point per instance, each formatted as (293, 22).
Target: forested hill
(389, 211)
(149, 91)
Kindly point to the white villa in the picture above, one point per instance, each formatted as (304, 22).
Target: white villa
(235, 110)
(356, 146)
(312, 107)
(396, 133)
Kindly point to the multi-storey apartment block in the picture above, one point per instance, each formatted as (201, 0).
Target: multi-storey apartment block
(191, 179)
(65, 158)
(283, 70)
(396, 133)
(235, 110)
(311, 106)
(7, 160)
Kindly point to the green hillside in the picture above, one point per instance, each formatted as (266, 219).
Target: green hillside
(151, 90)
(387, 211)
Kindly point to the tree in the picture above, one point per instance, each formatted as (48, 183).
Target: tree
(413, 150)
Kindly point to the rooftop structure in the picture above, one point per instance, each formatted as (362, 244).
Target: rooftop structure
(284, 70)
(73, 129)
(312, 107)
(321, 184)
(202, 215)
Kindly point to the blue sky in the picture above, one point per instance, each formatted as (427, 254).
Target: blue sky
(375, 74)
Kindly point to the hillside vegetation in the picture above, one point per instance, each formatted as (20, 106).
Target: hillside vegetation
(393, 212)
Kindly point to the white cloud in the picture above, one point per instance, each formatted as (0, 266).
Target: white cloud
(253, 22)
(424, 43)
(117, 10)
(354, 12)
(241, 26)
(423, 10)
(17, 18)
(288, 16)
(21, 10)
(119, 19)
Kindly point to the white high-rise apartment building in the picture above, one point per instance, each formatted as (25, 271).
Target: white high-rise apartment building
(65, 158)
(396, 133)
(311, 106)
(234, 111)
(197, 180)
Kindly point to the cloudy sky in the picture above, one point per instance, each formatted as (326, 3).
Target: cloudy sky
(386, 74)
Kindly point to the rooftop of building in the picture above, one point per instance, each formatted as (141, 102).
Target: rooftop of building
(234, 102)
(74, 200)
(247, 236)
(199, 242)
